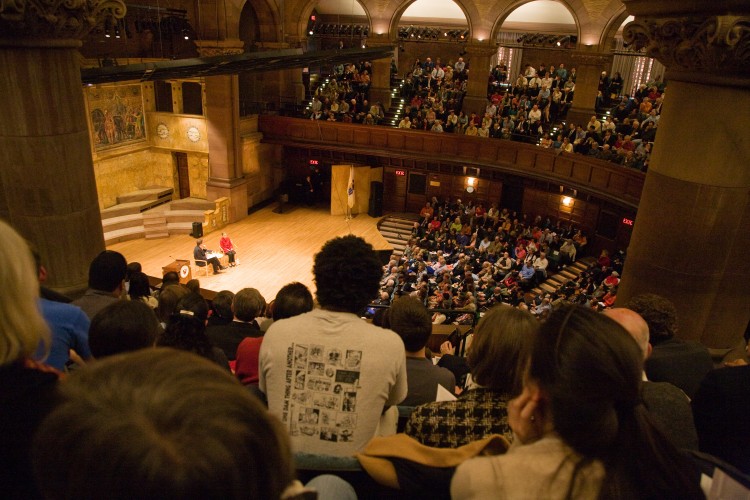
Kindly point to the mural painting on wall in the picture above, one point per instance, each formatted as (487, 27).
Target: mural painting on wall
(116, 115)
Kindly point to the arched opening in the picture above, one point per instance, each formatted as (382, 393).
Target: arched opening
(337, 24)
(437, 29)
(540, 33)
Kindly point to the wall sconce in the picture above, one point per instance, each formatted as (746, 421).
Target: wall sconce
(567, 201)
(471, 181)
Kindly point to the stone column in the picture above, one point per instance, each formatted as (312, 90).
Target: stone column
(478, 57)
(47, 185)
(692, 231)
(589, 66)
(225, 177)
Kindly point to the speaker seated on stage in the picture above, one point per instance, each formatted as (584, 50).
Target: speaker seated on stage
(199, 254)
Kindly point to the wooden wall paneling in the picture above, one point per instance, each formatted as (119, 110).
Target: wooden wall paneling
(488, 150)
(468, 147)
(581, 171)
(329, 134)
(506, 154)
(396, 140)
(634, 187)
(545, 163)
(431, 143)
(563, 166)
(378, 139)
(525, 158)
(363, 137)
(600, 178)
(449, 146)
(346, 135)
(496, 192)
(617, 182)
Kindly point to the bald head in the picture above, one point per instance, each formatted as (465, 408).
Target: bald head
(634, 324)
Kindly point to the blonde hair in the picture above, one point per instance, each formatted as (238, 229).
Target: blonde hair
(22, 327)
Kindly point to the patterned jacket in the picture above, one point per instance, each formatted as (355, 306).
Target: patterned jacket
(477, 413)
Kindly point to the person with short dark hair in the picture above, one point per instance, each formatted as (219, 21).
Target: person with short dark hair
(123, 326)
(580, 427)
(140, 289)
(327, 373)
(186, 330)
(409, 318)
(292, 300)
(168, 299)
(247, 305)
(106, 282)
(672, 360)
(221, 307)
(200, 255)
(158, 424)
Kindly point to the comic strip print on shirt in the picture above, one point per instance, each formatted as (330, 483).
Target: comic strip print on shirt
(320, 396)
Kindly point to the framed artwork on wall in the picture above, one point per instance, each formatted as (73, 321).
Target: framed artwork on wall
(116, 115)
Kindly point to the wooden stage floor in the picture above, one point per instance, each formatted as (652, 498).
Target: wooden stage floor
(274, 249)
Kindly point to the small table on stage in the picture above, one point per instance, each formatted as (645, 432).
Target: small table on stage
(181, 267)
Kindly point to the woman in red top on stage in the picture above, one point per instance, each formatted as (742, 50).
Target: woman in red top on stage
(228, 248)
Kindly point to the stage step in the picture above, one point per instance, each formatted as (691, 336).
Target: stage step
(397, 230)
(155, 225)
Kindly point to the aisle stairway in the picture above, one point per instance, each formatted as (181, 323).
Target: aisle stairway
(554, 281)
(396, 228)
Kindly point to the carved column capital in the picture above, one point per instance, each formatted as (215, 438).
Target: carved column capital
(209, 48)
(51, 22)
(480, 49)
(714, 48)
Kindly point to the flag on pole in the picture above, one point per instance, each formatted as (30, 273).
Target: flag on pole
(350, 190)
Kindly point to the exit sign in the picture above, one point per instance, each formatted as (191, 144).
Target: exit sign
(627, 222)
(400, 172)
(313, 162)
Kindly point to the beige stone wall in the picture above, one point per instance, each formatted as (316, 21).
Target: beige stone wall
(133, 170)
(261, 163)
(198, 172)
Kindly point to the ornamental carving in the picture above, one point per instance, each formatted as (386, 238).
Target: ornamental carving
(717, 45)
(71, 19)
(219, 51)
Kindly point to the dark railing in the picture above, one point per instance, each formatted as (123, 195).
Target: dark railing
(606, 179)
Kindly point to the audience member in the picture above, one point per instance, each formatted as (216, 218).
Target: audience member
(69, 327)
(328, 374)
(580, 430)
(160, 424)
(672, 360)
(292, 300)
(247, 305)
(106, 282)
(721, 407)
(409, 318)
(123, 326)
(168, 299)
(497, 358)
(667, 404)
(27, 387)
(139, 289)
(186, 330)
(221, 309)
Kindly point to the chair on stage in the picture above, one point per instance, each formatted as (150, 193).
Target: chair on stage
(201, 265)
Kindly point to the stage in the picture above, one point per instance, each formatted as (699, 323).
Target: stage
(273, 249)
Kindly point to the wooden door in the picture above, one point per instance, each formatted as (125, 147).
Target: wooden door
(183, 174)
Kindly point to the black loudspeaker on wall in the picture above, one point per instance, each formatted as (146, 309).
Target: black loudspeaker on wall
(197, 230)
(376, 199)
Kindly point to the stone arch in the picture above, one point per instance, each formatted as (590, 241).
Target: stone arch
(309, 6)
(399, 12)
(262, 18)
(612, 26)
(518, 3)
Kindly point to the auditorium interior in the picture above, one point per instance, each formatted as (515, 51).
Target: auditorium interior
(113, 105)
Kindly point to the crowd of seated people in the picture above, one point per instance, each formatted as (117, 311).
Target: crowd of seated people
(530, 108)
(344, 97)
(466, 258)
(174, 421)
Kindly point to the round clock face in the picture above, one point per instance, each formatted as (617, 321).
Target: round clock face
(470, 189)
(193, 134)
(162, 130)
(184, 271)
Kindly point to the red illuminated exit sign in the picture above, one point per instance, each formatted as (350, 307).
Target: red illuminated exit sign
(400, 172)
(627, 222)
